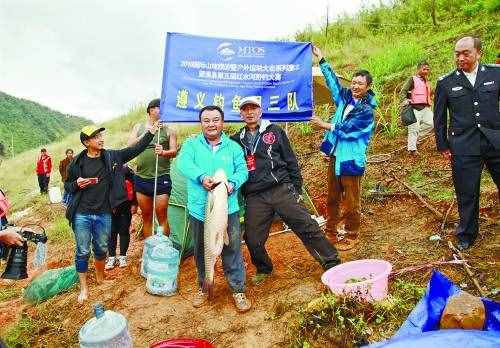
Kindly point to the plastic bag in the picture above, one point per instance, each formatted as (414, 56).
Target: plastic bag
(408, 116)
(50, 283)
(40, 255)
(427, 313)
(421, 328)
(444, 338)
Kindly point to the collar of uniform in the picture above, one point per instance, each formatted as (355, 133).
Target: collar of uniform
(473, 72)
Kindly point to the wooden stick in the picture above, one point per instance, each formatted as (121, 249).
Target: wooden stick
(446, 215)
(389, 194)
(420, 198)
(466, 268)
(424, 266)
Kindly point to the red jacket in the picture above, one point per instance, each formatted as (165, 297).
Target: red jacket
(44, 165)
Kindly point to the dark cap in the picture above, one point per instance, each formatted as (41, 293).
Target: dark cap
(155, 103)
(90, 132)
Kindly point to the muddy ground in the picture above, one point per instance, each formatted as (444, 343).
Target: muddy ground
(394, 227)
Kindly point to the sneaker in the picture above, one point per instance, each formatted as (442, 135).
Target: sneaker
(110, 264)
(200, 298)
(259, 278)
(241, 302)
(122, 261)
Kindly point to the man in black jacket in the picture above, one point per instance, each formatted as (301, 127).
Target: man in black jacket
(97, 185)
(274, 186)
(469, 95)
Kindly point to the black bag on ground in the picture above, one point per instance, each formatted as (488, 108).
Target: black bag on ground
(408, 116)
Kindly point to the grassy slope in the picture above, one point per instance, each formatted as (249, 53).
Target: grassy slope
(17, 175)
(389, 41)
(30, 124)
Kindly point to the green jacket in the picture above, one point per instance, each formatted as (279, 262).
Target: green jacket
(197, 160)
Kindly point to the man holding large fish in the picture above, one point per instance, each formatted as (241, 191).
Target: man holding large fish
(215, 168)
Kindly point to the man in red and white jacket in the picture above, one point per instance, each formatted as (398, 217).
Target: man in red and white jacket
(417, 92)
(43, 169)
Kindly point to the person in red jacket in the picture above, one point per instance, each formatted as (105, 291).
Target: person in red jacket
(43, 169)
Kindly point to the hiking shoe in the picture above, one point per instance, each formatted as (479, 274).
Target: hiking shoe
(122, 261)
(259, 278)
(200, 298)
(110, 264)
(241, 302)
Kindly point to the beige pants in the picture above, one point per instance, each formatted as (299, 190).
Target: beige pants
(422, 127)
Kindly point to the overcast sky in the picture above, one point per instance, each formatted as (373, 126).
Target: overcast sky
(98, 58)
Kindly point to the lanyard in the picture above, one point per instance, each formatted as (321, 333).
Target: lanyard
(255, 145)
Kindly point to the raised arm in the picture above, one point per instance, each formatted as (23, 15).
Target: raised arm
(172, 144)
(133, 151)
(331, 78)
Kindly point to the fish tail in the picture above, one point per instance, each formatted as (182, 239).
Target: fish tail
(208, 288)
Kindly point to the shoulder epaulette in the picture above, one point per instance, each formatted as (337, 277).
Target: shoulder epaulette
(446, 75)
(492, 65)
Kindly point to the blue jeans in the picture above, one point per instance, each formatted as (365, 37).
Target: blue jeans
(232, 260)
(90, 229)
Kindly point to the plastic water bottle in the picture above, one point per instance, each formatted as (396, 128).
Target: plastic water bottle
(163, 267)
(40, 255)
(107, 329)
(149, 244)
(55, 195)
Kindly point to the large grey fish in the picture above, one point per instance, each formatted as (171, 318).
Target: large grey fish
(215, 228)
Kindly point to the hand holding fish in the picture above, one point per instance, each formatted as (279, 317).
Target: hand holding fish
(208, 183)
(230, 188)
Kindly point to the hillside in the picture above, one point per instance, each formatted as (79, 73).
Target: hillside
(21, 184)
(26, 124)
(293, 308)
(390, 40)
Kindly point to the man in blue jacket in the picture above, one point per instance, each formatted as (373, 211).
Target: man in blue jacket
(201, 156)
(345, 144)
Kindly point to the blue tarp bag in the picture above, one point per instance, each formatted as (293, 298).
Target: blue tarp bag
(419, 329)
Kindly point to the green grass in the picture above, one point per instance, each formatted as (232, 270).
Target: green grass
(331, 320)
(59, 230)
(390, 40)
(20, 335)
(9, 293)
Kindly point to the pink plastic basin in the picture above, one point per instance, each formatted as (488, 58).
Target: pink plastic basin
(366, 279)
(182, 343)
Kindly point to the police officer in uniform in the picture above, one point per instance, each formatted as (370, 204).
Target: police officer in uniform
(468, 98)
